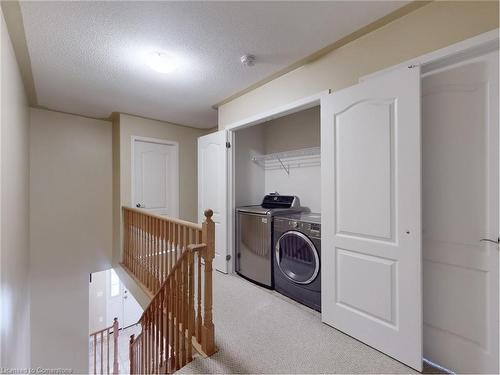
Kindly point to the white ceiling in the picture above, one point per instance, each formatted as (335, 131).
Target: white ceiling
(88, 57)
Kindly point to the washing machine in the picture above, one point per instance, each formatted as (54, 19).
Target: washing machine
(254, 234)
(297, 258)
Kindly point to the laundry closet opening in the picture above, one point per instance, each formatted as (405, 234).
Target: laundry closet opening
(277, 203)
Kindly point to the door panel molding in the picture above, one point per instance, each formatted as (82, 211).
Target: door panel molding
(355, 184)
(368, 302)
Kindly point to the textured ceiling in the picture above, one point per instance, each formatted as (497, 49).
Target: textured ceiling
(88, 57)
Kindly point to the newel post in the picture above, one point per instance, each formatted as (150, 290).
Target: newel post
(131, 355)
(115, 346)
(208, 237)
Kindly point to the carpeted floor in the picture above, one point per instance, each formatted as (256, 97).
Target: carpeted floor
(260, 331)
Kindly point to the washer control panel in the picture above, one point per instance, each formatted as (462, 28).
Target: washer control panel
(309, 229)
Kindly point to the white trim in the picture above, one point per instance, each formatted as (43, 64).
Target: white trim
(283, 110)
(467, 48)
(455, 62)
(231, 204)
(167, 142)
(154, 140)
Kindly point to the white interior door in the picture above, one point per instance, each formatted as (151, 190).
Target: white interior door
(460, 141)
(212, 190)
(120, 302)
(371, 215)
(156, 176)
(114, 298)
(132, 311)
(97, 302)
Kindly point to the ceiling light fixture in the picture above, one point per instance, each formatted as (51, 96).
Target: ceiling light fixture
(162, 62)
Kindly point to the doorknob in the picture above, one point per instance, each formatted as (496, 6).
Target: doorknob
(488, 240)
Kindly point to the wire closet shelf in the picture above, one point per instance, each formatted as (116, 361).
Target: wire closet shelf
(305, 157)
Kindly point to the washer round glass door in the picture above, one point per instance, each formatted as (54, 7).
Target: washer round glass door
(297, 258)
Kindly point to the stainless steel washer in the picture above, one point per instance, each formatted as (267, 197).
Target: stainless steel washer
(254, 236)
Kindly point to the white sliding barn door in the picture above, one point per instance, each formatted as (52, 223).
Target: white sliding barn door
(371, 214)
(212, 189)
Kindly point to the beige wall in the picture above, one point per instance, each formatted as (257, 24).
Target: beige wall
(249, 177)
(426, 29)
(187, 138)
(14, 208)
(295, 131)
(292, 132)
(71, 231)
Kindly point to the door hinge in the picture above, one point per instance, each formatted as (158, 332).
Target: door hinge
(412, 66)
(228, 258)
(228, 144)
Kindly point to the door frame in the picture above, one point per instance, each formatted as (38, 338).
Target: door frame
(161, 141)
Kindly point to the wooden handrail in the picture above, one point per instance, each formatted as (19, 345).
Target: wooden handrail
(166, 218)
(152, 244)
(169, 257)
(104, 336)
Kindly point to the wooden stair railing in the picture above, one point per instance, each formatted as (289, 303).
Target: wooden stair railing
(173, 260)
(152, 244)
(168, 324)
(101, 339)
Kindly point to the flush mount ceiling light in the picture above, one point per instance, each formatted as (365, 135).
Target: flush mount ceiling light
(162, 62)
